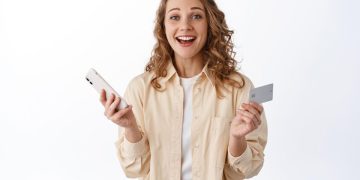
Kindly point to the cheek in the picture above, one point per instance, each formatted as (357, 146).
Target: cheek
(168, 32)
(204, 31)
(202, 28)
(205, 28)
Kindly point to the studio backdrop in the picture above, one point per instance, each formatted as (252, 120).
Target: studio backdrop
(52, 125)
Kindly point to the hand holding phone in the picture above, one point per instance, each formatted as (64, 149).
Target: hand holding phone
(99, 83)
(122, 115)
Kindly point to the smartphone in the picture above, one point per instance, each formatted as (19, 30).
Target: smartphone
(99, 83)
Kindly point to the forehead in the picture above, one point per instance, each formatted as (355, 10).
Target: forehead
(183, 4)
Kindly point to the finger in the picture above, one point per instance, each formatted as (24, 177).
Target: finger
(113, 106)
(109, 101)
(254, 118)
(121, 113)
(108, 111)
(238, 114)
(253, 110)
(118, 115)
(245, 114)
(257, 106)
(248, 120)
(257, 116)
(103, 97)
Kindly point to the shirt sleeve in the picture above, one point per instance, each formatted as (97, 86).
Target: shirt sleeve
(245, 158)
(250, 162)
(134, 157)
(134, 149)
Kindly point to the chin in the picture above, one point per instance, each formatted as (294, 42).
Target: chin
(186, 54)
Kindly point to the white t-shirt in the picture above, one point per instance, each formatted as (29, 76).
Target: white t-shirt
(187, 84)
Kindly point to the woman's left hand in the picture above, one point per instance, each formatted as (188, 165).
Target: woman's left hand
(247, 119)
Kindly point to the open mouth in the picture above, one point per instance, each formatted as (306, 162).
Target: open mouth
(186, 40)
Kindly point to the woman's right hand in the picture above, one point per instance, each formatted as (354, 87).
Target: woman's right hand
(123, 117)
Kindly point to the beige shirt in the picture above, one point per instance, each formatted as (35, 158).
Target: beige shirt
(159, 114)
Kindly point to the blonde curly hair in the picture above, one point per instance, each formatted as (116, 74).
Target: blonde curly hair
(218, 49)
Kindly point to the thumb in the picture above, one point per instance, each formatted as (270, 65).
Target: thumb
(129, 108)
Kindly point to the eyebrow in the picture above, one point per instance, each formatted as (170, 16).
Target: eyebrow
(193, 8)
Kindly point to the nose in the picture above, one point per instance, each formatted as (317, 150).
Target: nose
(185, 25)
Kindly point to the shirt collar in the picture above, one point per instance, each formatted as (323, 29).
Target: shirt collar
(171, 73)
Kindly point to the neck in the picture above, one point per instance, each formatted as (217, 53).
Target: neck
(189, 67)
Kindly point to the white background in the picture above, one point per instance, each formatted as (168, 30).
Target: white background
(52, 125)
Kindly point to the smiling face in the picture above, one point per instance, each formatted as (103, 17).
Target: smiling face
(185, 27)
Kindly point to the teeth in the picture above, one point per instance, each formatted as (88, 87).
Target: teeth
(186, 38)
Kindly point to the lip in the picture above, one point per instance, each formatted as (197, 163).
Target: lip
(185, 44)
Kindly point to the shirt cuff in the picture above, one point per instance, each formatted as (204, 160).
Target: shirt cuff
(134, 149)
(244, 158)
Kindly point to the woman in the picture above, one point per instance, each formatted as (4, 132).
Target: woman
(189, 116)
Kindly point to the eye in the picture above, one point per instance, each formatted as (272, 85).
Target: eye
(196, 16)
(175, 17)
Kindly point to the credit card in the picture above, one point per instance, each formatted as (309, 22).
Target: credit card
(262, 94)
